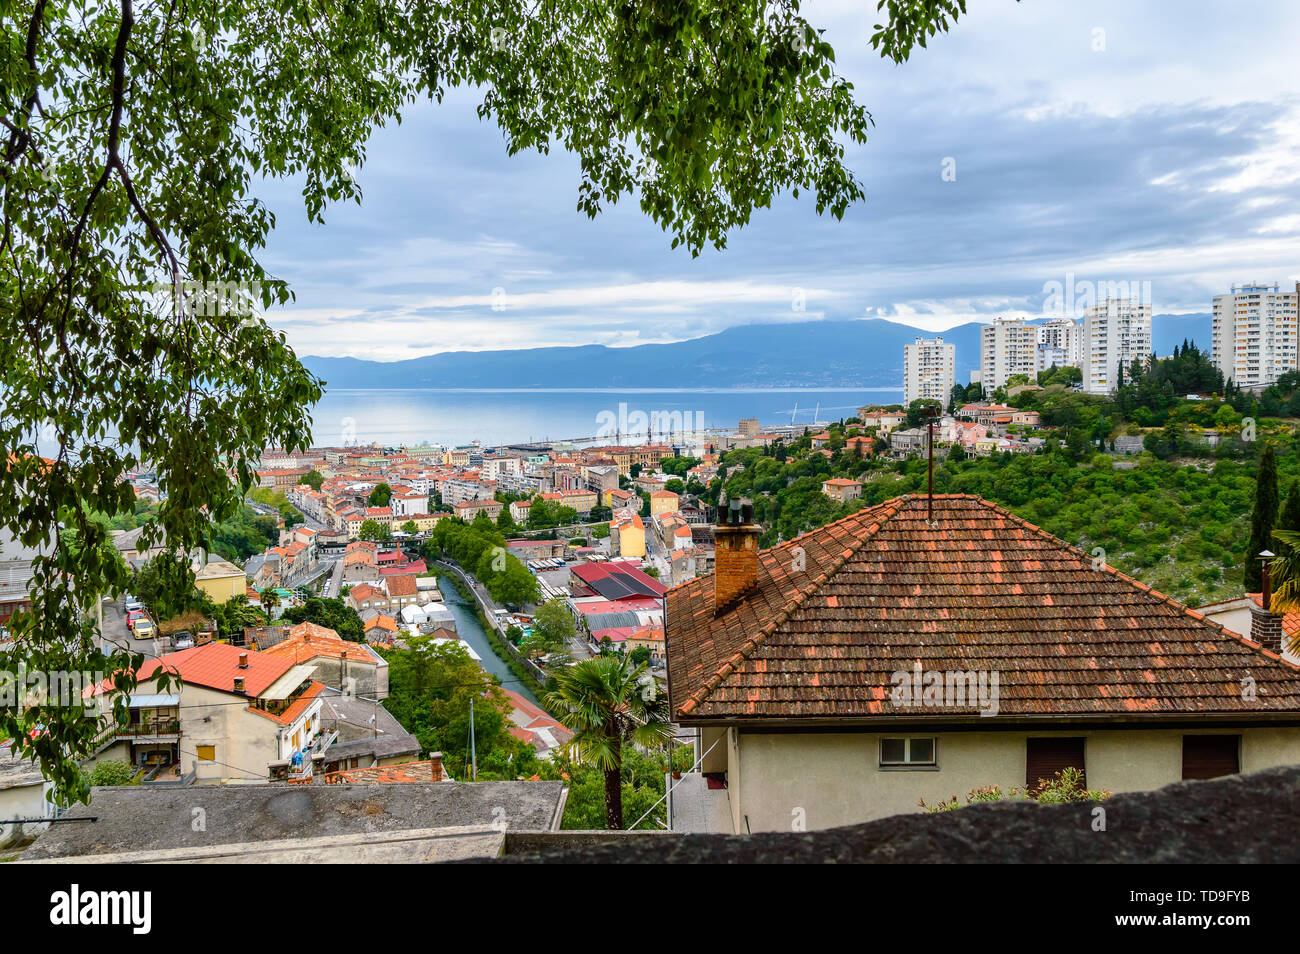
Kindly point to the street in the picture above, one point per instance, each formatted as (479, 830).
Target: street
(115, 635)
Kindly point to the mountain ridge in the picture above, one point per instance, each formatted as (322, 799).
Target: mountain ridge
(865, 353)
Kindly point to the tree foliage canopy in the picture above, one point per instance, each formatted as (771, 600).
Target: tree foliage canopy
(132, 293)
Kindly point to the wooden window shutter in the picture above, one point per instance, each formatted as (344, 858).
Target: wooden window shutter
(1210, 756)
(1045, 757)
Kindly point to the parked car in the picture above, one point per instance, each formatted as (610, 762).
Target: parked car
(134, 616)
(144, 629)
(132, 603)
(184, 641)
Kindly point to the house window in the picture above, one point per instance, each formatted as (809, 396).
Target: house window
(206, 753)
(1044, 758)
(1211, 756)
(905, 752)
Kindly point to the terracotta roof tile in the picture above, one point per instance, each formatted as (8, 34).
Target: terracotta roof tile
(296, 708)
(980, 590)
(216, 666)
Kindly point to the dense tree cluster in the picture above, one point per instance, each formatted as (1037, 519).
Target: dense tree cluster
(480, 548)
(430, 688)
(330, 612)
(1176, 517)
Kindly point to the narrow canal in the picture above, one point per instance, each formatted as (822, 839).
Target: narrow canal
(471, 630)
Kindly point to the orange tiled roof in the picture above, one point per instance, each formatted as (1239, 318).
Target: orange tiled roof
(216, 666)
(404, 585)
(309, 641)
(1290, 621)
(426, 771)
(982, 590)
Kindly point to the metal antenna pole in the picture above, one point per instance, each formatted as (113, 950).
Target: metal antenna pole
(929, 440)
(473, 751)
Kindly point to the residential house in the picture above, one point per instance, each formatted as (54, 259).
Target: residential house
(339, 664)
(532, 724)
(912, 440)
(402, 591)
(841, 489)
(23, 792)
(220, 579)
(368, 596)
(234, 713)
(134, 550)
(882, 421)
(366, 734)
(1026, 418)
(407, 505)
(900, 658)
(382, 630)
(987, 414)
(617, 499)
(663, 501)
(468, 510)
(627, 534)
(580, 499)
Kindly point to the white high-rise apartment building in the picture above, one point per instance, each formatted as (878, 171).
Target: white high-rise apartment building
(1007, 346)
(1254, 332)
(1116, 332)
(929, 370)
(1060, 342)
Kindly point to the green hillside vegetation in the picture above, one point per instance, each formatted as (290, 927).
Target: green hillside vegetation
(1176, 516)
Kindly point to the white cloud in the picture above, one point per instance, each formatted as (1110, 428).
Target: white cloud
(1169, 156)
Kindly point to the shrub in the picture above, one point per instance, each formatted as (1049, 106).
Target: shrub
(1065, 786)
(113, 772)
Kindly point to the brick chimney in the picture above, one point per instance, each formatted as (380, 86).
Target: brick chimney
(243, 660)
(436, 767)
(1265, 625)
(1266, 628)
(735, 562)
(239, 684)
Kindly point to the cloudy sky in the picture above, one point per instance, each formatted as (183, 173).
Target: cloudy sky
(1116, 142)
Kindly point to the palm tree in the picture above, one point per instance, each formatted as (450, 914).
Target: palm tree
(269, 600)
(608, 702)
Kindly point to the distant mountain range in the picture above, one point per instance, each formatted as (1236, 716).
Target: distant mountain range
(865, 353)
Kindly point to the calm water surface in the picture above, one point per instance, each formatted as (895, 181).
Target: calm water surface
(415, 417)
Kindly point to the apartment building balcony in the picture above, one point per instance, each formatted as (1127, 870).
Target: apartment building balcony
(164, 729)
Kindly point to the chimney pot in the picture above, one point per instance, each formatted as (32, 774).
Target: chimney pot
(735, 564)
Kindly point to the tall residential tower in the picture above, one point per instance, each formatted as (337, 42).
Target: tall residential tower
(1254, 334)
(1116, 332)
(1007, 346)
(929, 370)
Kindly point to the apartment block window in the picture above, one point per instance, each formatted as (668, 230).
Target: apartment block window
(206, 753)
(906, 752)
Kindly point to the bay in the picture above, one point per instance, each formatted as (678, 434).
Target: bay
(421, 416)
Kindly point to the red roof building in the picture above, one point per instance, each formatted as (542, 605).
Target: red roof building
(929, 658)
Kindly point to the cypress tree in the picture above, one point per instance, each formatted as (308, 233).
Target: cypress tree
(1290, 519)
(1263, 519)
